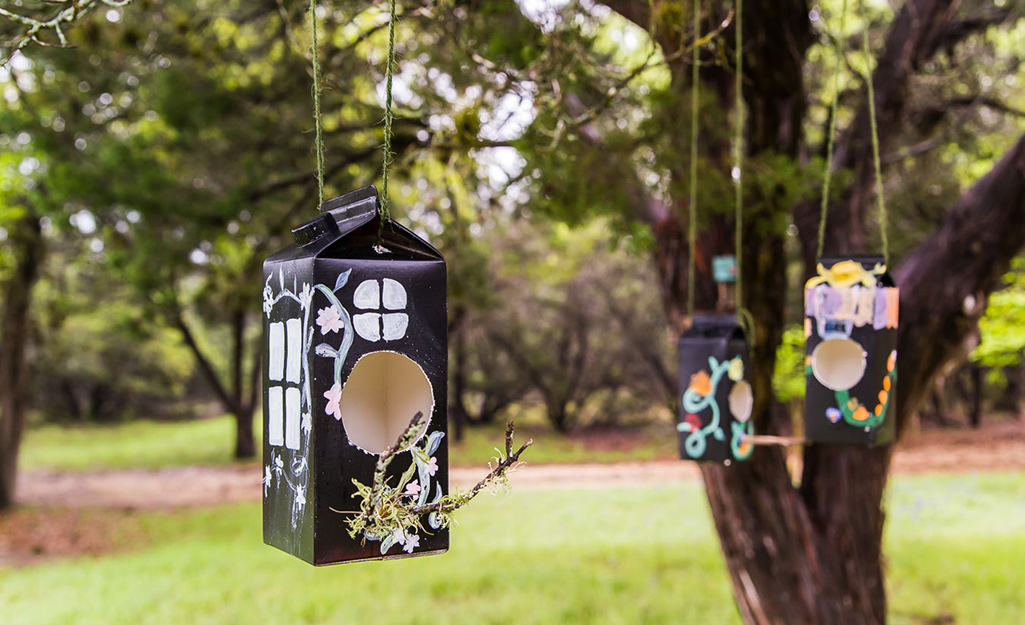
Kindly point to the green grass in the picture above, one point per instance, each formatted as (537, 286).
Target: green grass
(956, 547)
(136, 444)
(542, 556)
(148, 444)
(623, 555)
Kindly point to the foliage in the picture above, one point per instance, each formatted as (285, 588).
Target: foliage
(579, 326)
(789, 379)
(1002, 328)
(102, 358)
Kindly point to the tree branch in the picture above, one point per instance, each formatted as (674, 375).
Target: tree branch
(204, 363)
(946, 281)
(69, 14)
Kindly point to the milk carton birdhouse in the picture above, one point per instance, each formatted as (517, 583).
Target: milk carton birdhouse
(716, 405)
(355, 345)
(850, 328)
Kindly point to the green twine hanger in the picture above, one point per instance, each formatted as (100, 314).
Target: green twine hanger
(692, 225)
(388, 114)
(388, 118)
(316, 102)
(744, 318)
(831, 140)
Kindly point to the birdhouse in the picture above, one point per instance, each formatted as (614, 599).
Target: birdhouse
(355, 327)
(715, 411)
(850, 328)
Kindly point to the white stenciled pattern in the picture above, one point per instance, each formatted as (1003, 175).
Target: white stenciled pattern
(372, 296)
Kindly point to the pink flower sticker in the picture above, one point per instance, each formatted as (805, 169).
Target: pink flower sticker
(334, 396)
(432, 466)
(413, 488)
(329, 320)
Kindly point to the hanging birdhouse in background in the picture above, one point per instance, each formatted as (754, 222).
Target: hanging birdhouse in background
(850, 328)
(356, 345)
(715, 411)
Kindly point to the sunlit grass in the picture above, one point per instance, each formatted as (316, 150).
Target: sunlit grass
(136, 444)
(620, 555)
(148, 444)
(956, 548)
(642, 555)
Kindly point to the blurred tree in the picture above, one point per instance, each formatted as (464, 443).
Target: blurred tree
(99, 358)
(21, 259)
(22, 255)
(576, 325)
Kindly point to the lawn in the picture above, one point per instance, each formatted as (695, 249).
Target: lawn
(618, 555)
(136, 444)
(149, 444)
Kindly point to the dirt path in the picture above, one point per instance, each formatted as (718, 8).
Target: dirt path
(996, 447)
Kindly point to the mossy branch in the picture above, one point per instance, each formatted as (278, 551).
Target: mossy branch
(496, 477)
(70, 11)
(394, 514)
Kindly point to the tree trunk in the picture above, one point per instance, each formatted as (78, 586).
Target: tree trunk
(232, 402)
(975, 416)
(245, 441)
(812, 554)
(457, 402)
(25, 242)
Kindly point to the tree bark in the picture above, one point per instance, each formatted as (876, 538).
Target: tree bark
(25, 242)
(245, 441)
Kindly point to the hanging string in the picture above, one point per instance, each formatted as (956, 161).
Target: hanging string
(744, 317)
(692, 225)
(876, 161)
(388, 117)
(738, 147)
(832, 131)
(316, 104)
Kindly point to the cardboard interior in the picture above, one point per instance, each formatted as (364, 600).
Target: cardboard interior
(380, 398)
(742, 401)
(838, 364)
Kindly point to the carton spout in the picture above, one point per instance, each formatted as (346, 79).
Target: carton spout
(352, 210)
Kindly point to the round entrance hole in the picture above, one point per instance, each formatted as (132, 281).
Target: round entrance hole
(380, 398)
(741, 401)
(838, 363)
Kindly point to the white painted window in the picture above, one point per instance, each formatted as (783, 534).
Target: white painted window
(382, 300)
(284, 401)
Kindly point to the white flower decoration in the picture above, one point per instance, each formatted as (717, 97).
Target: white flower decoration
(412, 542)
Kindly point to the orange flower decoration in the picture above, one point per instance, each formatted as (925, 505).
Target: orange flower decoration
(861, 414)
(700, 383)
